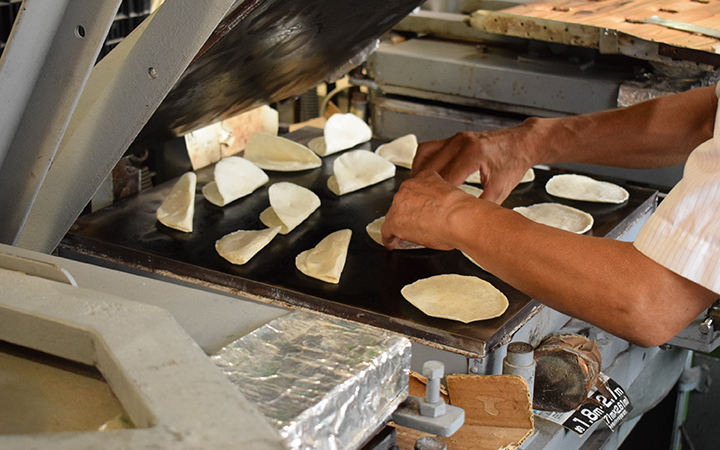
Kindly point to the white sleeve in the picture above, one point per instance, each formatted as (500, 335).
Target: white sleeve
(684, 233)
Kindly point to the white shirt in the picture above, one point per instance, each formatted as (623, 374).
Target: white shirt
(683, 234)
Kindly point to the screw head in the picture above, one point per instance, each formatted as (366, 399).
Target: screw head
(433, 370)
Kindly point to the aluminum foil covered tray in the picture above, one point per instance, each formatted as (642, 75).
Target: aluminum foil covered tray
(325, 383)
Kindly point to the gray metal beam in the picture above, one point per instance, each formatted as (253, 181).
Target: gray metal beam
(123, 91)
(467, 70)
(48, 58)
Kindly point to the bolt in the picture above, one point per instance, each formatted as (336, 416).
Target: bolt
(706, 326)
(433, 371)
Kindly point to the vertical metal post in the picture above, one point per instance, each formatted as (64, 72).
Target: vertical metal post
(51, 51)
(125, 88)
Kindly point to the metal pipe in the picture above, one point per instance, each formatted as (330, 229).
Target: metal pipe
(520, 360)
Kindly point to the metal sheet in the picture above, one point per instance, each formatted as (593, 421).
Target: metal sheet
(369, 290)
(266, 51)
(495, 74)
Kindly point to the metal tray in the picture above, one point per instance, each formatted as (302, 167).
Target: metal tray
(369, 289)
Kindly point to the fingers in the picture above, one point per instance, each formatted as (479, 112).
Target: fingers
(454, 158)
(493, 193)
(427, 154)
(390, 242)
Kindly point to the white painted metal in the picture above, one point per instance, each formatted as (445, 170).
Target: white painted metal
(172, 392)
(48, 58)
(123, 91)
(213, 319)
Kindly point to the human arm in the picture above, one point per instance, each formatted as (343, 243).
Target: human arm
(604, 282)
(657, 133)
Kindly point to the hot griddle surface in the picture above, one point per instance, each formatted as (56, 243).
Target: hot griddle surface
(369, 289)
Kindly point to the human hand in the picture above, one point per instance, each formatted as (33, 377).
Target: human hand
(502, 157)
(421, 212)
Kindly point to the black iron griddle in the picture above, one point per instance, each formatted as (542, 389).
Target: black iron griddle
(369, 289)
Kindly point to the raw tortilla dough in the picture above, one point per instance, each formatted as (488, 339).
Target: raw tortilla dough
(357, 169)
(456, 297)
(580, 187)
(475, 177)
(235, 177)
(472, 190)
(373, 230)
(277, 153)
(239, 247)
(290, 205)
(472, 260)
(178, 207)
(401, 151)
(327, 260)
(558, 216)
(342, 131)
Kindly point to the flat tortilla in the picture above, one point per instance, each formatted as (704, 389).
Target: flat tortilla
(558, 216)
(279, 154)
(290, 205)
(456, 297)
(235, 177)
(358, 169)
(326, 260)
(373, 230)
(239, 247)
(178, 208)
(581, 187)
(401, 151)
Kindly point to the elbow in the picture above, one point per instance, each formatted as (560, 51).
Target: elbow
(641, 322)
(651, 340)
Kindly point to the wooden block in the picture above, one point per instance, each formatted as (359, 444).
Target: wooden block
(498, 414)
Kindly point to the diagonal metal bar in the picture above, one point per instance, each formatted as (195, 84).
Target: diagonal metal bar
(123, 91)
(51, 51)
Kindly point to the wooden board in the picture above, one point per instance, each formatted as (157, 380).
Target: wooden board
(498, 414)
(623, 16)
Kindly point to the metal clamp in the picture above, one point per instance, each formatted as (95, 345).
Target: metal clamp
(430, 413)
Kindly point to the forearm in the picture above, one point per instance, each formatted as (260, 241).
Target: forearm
(657, 133)
(604, 282)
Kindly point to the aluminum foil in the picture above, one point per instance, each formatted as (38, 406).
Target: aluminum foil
(668, 81)
(323, 382)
